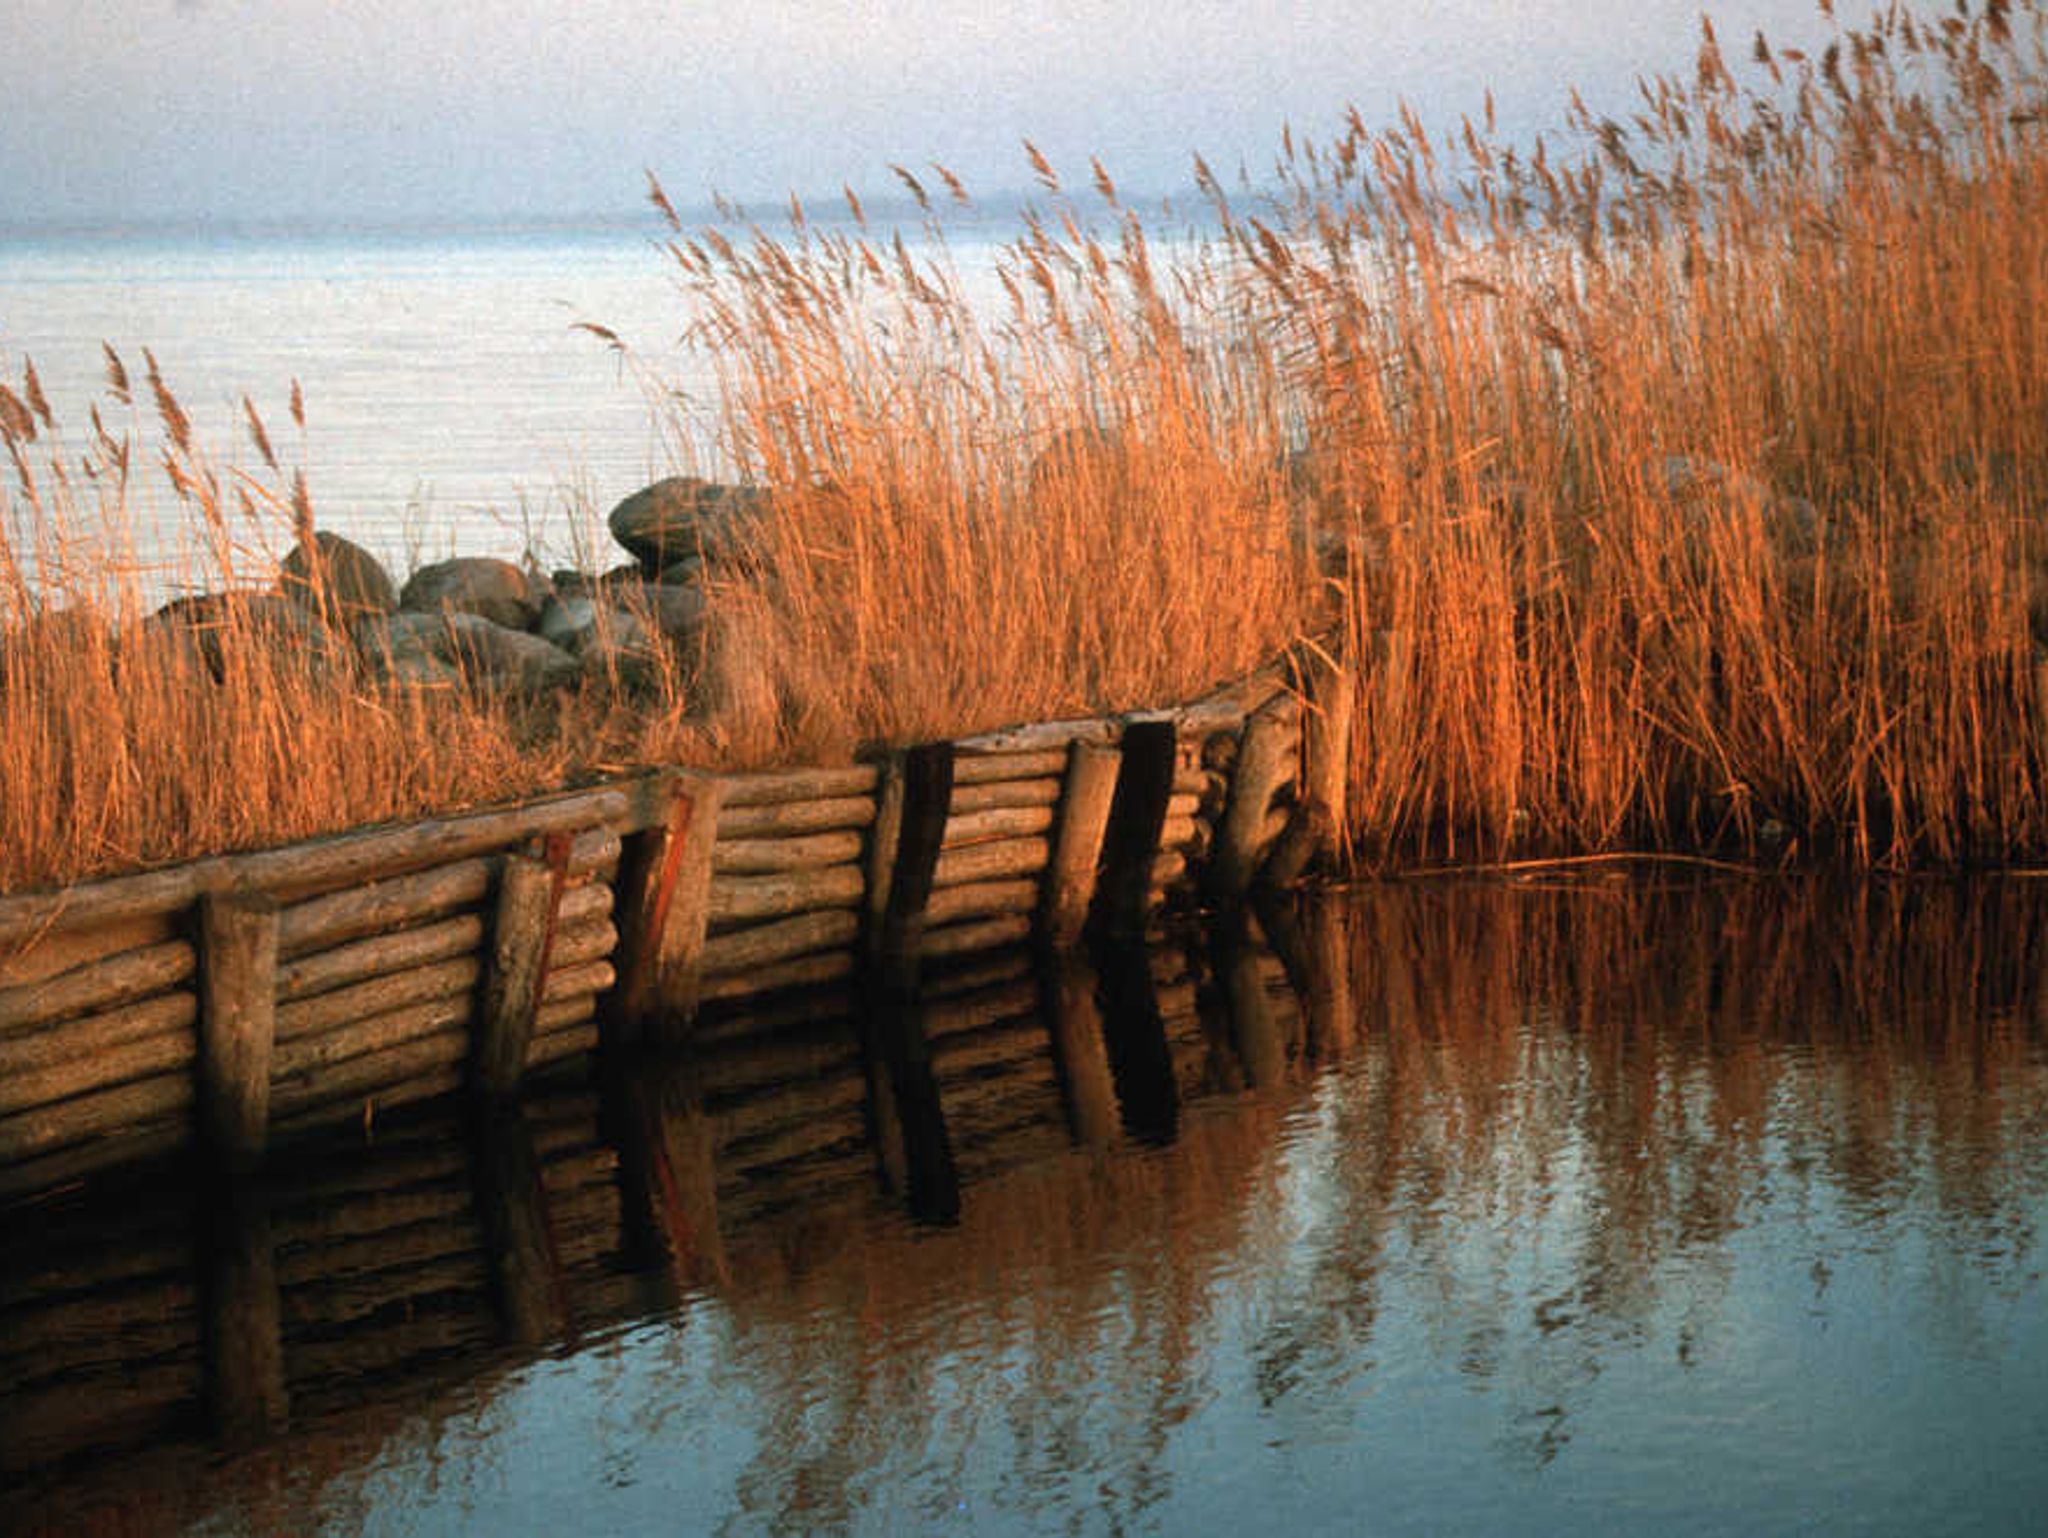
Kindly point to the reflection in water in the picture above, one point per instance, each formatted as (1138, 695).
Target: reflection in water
(1422, 1207)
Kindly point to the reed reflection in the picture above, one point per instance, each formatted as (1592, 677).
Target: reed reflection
(1509, 1135)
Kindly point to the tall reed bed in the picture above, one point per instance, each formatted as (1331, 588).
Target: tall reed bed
(233, 718)
(1692, 488)
(1679, 488)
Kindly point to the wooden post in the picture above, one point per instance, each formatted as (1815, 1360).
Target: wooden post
(1074, 1016)
(1137, 814)
(1318, 821)
(1234, 952)
(237, 1021)
(906, 1114)
(668, 1165)
(1265, 761)
(245, 1382)
(522, 939)
(1085, 798)
(513, 1204)
(664, 912)
(1140, 1064)
(927, 794)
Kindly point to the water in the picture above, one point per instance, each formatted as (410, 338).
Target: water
(1619, 1206)
(450, 401)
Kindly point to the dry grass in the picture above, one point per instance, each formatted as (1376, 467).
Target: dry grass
(1682, 490)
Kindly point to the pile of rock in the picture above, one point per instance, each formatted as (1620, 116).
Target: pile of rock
(489, 623)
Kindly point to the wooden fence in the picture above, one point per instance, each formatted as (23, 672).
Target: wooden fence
(238, 998)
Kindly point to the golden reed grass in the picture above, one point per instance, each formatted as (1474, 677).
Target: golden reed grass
(1679, 490)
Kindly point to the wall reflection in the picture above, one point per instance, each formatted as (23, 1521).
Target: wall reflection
(1048, 1208)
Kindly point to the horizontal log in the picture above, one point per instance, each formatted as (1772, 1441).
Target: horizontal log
(1199, 784)
(387, 1261)
(980, 975)
(337, 1365)
(813, 971)
(1184, 834)
(586, 977)
(123, 1109)
(580, 943)
(1183, 807)
(737, 1025)
(1040, 737)
(380, 996)
(295, 870)
(975, 935)
(333, 1302)
(168, 1014)
(322, 1225)
(381, 907)
(738, 1069)
(971, 768)
(981, 827)
(788, 819)
(99, 1068)
(1005, 1004)
(766, 944)
(770, 856)
(1001, 793)
(978, 899)
(738, 899)
(302, 1061)
(565, 1042)
(580, 903)
(115, 1150)
(346, 966)
(776, 787)
(389, 1076)
(567, 1013)
(994, 861)
(593, 855)
(36, 958)
(98, 986)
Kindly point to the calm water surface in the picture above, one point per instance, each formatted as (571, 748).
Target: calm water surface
(1456, 1208)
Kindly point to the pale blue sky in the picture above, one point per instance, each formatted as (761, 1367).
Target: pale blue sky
(255, 109)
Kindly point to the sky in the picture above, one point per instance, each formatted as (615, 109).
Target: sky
(347, 110)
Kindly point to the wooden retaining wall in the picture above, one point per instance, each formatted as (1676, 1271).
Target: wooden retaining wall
(235, 999)
(169, 1312)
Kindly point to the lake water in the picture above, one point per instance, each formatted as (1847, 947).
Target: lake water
(450, 403)
(1628, 1205)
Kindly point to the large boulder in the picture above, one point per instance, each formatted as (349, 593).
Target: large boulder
(684, 518)
(483, 653)
(497, 590)
(217, 630)
(338, 580)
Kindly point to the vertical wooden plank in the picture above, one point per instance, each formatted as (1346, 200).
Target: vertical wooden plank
(513, 1204)
(884, 840)
(1318, 821)
(1085, 799)
(1137, 814)
(244, 1328)
(1134, 1035)
(906, 1113)
(1266, 760)
(522, 936)
(1234, 953)
(1074, 1017)
(237, 1021)
(664, 908)
(668, 1168)
(927, 798)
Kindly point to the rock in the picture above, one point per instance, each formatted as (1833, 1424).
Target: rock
(497, 590)
(480, 651)
(578, 624)
(684, 516)
(348, 585)
(217, 627)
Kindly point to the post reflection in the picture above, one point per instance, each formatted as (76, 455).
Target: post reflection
(997, 1248)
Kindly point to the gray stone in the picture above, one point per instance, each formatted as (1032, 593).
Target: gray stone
(578, 624)
(348, 584)
(215, 626)
(682, 517)
(497, 590)
(481, 652)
